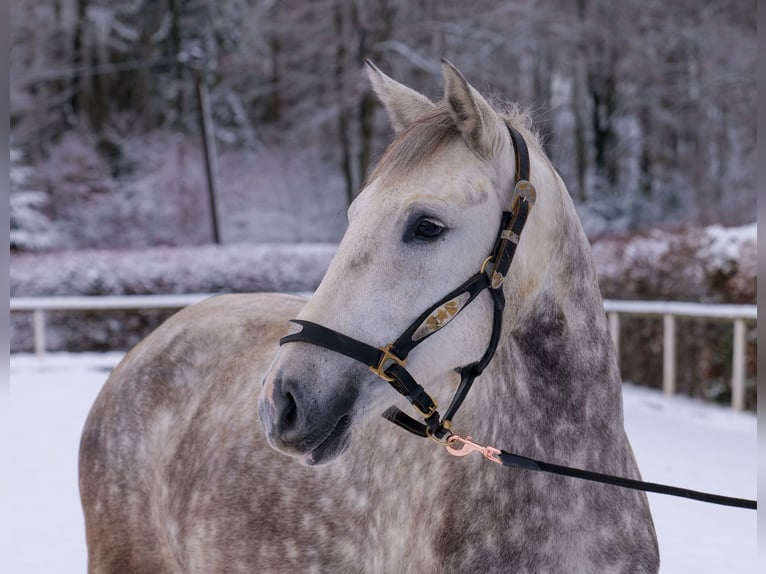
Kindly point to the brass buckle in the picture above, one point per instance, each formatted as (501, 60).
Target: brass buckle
(487, 261)
(432, 410)
(387, 356)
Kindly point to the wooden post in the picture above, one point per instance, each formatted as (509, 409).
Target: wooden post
(614, 330)
(668, 354)
(197, 66)
(211, 164)
(738, 366)
(38, 329)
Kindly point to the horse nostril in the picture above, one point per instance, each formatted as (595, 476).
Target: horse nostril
(286, 416)
(282, 409)
(289, 412)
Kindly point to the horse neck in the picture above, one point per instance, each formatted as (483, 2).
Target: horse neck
(553, 387)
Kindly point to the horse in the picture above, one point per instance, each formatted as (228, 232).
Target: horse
(214, 448)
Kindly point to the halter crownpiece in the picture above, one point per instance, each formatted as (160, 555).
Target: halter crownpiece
(389, 362)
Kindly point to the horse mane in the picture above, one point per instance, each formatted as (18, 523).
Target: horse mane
(420, 141)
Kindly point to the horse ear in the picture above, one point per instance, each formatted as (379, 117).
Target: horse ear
(403, 104)
(474, 117)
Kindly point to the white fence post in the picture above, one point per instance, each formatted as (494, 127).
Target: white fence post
(669, 354)
(738, 366)
(614, 330)
(38, 329)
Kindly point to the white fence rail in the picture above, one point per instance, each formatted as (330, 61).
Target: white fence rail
(669, 311)
(38, 306)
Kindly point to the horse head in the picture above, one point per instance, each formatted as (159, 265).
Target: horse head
(424, 222)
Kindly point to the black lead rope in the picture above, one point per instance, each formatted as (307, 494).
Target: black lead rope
(517, 461)
(460, 446)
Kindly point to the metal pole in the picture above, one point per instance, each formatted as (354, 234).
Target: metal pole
(668, 354)
(738, 366)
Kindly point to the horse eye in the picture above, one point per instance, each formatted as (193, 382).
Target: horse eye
(428, 229)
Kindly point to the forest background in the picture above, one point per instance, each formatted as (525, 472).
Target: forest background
(647, 109)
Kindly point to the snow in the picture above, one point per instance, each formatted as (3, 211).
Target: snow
(726, 240)
(726, 243)
(685, 442)
(677, 441)
(652, 248)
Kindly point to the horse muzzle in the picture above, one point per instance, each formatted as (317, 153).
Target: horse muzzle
(303, 424)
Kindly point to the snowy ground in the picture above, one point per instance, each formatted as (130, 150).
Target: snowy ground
(677, 441)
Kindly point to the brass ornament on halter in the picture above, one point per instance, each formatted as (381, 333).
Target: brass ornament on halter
(526, 190)
(440, 317)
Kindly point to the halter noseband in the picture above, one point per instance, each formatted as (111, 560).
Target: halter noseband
(388, 362)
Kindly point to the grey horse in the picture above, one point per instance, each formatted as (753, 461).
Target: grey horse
(213, 449)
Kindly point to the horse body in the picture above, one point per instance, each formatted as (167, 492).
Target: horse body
(177, 471)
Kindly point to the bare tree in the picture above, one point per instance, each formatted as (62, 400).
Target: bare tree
(646, 105)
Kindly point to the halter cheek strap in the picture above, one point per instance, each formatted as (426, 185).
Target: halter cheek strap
(388, 362)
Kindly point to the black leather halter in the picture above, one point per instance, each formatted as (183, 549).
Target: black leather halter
(388, 362)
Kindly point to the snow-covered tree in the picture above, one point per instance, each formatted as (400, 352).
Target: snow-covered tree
(646, 106)
(31, 228)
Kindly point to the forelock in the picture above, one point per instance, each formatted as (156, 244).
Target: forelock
(417, 144)
(421, 141)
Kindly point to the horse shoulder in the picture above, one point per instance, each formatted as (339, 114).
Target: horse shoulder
(174, 401)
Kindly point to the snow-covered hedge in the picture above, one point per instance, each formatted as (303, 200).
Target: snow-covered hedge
(709, 265)
(237, 268)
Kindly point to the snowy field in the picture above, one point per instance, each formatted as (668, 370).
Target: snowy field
(677, 441)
